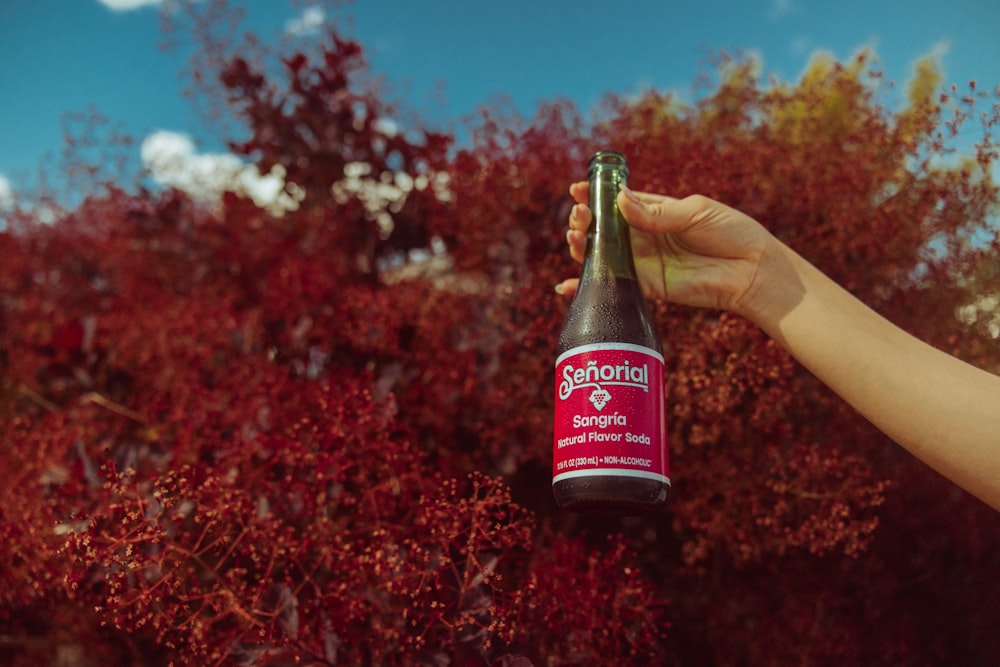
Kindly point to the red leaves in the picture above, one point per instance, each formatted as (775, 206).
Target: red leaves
(276, 440)
(582, 604)
(238, 75)
(74, 336)
(294, 64)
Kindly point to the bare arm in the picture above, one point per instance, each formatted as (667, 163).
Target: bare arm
(944, 411)
(699, 252)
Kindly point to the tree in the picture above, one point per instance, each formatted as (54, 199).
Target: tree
(324, 437)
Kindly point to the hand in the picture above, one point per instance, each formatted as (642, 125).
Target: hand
(693, 251)
(699, 252)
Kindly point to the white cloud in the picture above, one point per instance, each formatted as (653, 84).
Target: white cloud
(6, 192)
(37, 211)
(173, 160)
(308, 22)
(384, 194)
(128, 5)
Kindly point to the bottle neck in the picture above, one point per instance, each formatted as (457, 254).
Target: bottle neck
(609, 248)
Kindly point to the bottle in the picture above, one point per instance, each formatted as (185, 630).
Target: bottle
(610, 439)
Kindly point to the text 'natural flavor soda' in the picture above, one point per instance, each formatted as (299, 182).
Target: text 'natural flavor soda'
(610, 443)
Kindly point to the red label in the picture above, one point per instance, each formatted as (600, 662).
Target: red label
(609, 413)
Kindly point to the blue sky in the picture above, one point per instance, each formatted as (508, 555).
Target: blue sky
(444, 59)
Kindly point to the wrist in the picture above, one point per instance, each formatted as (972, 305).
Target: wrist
(776, 288)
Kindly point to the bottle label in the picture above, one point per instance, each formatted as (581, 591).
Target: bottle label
(610, 419)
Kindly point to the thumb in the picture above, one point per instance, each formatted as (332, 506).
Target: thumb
(659, 214)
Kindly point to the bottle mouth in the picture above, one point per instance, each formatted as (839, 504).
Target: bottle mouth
(607, 160)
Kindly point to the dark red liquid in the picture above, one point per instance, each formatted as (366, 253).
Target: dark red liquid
(603, 311)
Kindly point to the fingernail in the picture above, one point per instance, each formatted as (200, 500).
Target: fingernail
(631, 195)
(560, 289)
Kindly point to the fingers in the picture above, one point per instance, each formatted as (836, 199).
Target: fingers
(579, 217)
(656, 214)
(577, 241)
(659, 214)
(580, 191)
(576, 235)
(568, 287)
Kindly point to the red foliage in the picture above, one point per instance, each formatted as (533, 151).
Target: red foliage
(235, 438)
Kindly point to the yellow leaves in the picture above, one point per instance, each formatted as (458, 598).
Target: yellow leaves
(919, 118)
(927, 77)
(827, 103)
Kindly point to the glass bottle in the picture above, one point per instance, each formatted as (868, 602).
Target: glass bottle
(610, 442)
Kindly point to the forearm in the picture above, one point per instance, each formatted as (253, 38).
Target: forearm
(944, 411)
